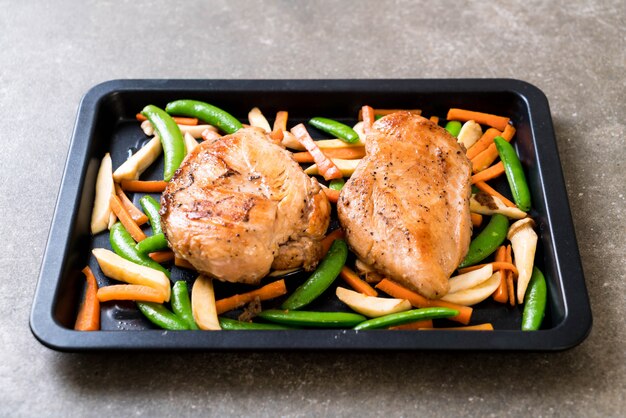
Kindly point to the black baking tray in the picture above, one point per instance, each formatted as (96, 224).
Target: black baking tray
(106, 123)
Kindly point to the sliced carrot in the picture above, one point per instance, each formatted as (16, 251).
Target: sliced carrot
(347, 153)
(497, 265)
(179, 120)
(480, 327)
(419, 301)
(162, 256)
(501, 294)
(434, 119)
(490, 173)
(327, 241)
(124, 217)
(181, 262)
(368, 118)
(280, 123)
(481, 185)
(326, 167)
(88, 318)
(130, 292)
(498, 122)
(138, 216)
(483, 143)
(384, 112)
(277, 135)
(477, 219)
(269, 291)
(417, 325)
(150, 186)
(485, 158)
(509, 277)
(331, 195)
(356, 282)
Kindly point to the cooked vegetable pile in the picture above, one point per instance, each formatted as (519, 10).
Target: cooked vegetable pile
(500, 263)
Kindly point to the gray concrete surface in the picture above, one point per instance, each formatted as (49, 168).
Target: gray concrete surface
(52, 52)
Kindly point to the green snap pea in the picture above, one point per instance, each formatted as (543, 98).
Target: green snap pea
(454, 127)
(514, 173)
(535, 302)
(151, 208)
(376, 117)
(206, 112)
(181, 305)
(321, 279)
(124, 246)
(152, 244)
(487, 241)
(171, 139)
(337, 184)
(162, 317)
(234, 325)
(338, 129)
(313, 319)
(405, 317)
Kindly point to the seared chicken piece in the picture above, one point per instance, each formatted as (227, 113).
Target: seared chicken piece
(405, 209)
(240, 205)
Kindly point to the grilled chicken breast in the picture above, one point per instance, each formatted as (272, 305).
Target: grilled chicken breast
(405, 209)
(240, 205)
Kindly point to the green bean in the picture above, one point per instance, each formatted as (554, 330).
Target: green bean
(171, 139)
(181, 305)
(514, 173)
(487, 241)
(124, 246)
(313, 319)
(338, 129)
(151, 208)
(206, 112)
(152, 244)
(454, 127)
(162, 317)
(234, 325)
(405, 317)
(535, 302)
(337, 184)
(321, 279)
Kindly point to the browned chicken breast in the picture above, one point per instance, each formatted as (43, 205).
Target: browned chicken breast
(240, 205)
(405, 209)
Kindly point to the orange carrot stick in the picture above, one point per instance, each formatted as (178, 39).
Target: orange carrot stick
(384, 112)
(348, 153)
(326, 167)
(485, 158)
(498, 122)
(497, 265)
(88, 318)
(162, 256)
(138, 216)
(152, 186)
(356, 283)
(501, 294)
(490, 173)
(434, 119)
(480, 327)
(331, 194)
(483, 143)
(181, 262)
(327, 241)
(481, 185)
(280, 123)
(368, 118)
(130, 292)
(417, 325)
(509, 277)
(122, 214)
(419, 301)
(179, 120)
(269, 291)
(477, 219)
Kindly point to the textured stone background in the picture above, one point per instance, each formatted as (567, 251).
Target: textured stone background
(52, 52)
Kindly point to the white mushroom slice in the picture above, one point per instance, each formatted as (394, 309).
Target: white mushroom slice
(371, 306)
(470, 133)
(358, 128)
(477, 294)
(337, 143)
(290, 141)
(147, 128)
(470, 279)
(190, 142)
(101, 215)
(346, 167)
(486, 204)
(138, 162)
(256, 118)
(196, 130)
(203, 304)
(524, 245)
